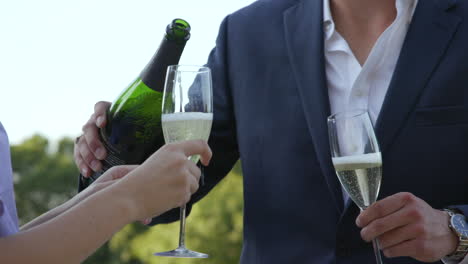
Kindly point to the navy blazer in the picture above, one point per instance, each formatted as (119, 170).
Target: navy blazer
(270, 109)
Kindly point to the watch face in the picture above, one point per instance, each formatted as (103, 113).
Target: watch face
(459, 224)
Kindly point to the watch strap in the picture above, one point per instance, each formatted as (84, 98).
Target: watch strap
(462, 247)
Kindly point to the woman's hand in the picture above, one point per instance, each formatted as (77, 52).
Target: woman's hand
(166, 180)
(107, 179)
(110, 177)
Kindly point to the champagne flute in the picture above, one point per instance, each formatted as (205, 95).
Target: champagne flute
(357, 159)
(187, 114)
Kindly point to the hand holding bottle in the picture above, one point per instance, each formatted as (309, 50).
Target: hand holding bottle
(89, 150)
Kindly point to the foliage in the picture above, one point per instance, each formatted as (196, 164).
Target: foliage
(43, 179)
(214, 227)
(46, 176)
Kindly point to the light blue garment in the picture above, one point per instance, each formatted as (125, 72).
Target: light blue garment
(8, 214)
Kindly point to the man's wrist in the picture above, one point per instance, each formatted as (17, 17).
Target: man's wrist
(460, 251)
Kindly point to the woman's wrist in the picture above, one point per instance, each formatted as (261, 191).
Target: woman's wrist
(122, 195)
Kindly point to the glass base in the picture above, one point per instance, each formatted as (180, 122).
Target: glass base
(181, 252)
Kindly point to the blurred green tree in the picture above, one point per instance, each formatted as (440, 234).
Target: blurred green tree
(214, 227)
(43, 178)
(46, 176)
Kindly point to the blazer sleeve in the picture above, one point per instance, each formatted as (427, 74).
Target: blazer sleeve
(222, 141)
(463, 208)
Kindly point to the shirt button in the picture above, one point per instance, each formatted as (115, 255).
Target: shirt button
(327, 25)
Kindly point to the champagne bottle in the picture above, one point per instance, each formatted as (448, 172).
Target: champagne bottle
(133, 131)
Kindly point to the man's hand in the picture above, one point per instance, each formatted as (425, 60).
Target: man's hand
(89, 150)
(407, 226)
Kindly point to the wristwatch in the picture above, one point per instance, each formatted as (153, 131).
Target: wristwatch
(459, 226)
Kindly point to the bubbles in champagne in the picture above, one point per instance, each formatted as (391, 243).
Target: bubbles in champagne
(360, 176)
(186, 126)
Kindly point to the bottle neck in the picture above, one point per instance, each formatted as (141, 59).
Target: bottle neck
(169, 53)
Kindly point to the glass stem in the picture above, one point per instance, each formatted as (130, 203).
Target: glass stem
(202, 176)
(376, 246)
(182, 227)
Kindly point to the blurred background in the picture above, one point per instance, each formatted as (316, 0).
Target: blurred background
(57, 59)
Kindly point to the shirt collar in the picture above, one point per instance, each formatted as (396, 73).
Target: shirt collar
(329, 24)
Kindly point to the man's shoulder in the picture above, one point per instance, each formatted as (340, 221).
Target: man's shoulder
(264, 10)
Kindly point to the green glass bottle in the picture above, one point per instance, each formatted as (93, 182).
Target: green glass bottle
(133, 131)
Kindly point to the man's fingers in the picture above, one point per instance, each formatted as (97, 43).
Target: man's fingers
(100, 109)
(399, 235)
(197, 147)
(84, 169)
(88, 157)
(403, 249)
(92, 138)
(401, 217)
(384, 207)
(418, 249)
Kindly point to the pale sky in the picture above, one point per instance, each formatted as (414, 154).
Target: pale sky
(59, 57)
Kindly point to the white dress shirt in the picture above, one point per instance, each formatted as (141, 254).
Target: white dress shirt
(353, 86)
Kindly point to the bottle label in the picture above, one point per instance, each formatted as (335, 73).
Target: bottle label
(110, 161)
(113, 155)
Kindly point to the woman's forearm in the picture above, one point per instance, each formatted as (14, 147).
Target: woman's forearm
(47, 216)
(71, 236)
(58, 210)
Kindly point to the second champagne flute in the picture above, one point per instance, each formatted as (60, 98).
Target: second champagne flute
(187, 114)
(357, 159)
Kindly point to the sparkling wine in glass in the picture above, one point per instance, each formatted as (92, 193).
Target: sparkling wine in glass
(357, 159)
(187, 114)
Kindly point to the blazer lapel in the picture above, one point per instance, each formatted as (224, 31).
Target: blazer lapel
(304, 37)
(427, 39)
